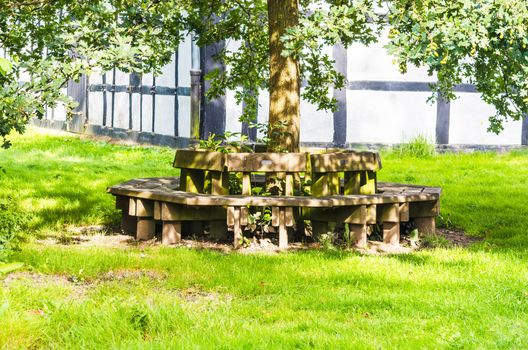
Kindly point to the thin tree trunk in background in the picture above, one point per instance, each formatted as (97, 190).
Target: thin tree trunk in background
(284, 79)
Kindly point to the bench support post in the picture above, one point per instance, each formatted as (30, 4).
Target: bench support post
(128, 223)
(171, 233)
(146, 228)
(360, 182)
(237, 232)
(391, 233)
(283, 231)
(359, 235)
(425, 225)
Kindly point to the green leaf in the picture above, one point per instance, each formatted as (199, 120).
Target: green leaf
(5, 66)
(7, 268)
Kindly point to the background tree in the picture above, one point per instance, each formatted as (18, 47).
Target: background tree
(280, 45)
(49, 42)
(482, 42)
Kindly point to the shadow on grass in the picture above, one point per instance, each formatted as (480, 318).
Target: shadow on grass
(74, 204)
(62, 180)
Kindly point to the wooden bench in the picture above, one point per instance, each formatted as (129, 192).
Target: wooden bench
(344, 190)
(343, 173)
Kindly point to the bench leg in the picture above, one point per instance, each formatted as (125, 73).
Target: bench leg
(218, 230)
(283, 231)
(146, 228)
(128, 223)
(237, 234)
(171, 233)
(359, 234)
(391, 233)
(425, 225)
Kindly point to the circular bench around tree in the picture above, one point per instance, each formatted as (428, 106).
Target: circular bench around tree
(221, 190)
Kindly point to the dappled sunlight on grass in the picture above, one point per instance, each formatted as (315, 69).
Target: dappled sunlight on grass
(62, 179)
(37, 204)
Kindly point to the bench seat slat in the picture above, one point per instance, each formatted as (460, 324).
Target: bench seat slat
(144, 188)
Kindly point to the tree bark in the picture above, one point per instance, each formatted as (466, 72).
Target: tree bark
(284, 87)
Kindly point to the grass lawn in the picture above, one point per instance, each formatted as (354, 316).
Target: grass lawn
(156, 297)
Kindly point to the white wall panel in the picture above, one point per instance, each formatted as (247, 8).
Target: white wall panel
(167, 78)
(389, 117)
(184, 117)
(136, 99)
(263, 111)
(316, 126)
(122, 78)
(374, 63)
(95, 108)
(147, 79)
(184, 62)
(469, 123)
(147, 113)
(96, 78)
(59, 112)
(233, 113)
(164, 115)
(120, 111)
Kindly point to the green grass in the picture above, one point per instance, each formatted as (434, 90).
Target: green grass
(62, 180)
(482, 193)
(473, 298)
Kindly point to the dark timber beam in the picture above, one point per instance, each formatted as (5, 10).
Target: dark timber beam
(77, 91)
(196, 89)
(134, 80)
(213, 119)
(524, 132)
(340, 115)
(443, 112)
(408, 86)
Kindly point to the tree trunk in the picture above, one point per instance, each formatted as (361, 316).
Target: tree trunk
(284, 87)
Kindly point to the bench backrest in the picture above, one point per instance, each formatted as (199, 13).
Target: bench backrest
(208, 172)
(285, 165)
(202, 171)
(358, 169)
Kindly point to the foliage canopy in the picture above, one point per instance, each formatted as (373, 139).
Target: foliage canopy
(483, 42)
(49, 42)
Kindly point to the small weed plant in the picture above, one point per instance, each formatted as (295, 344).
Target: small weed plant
(435, 241)
(229, 142)
(445, 221)
(11, 224)
(418, 147)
